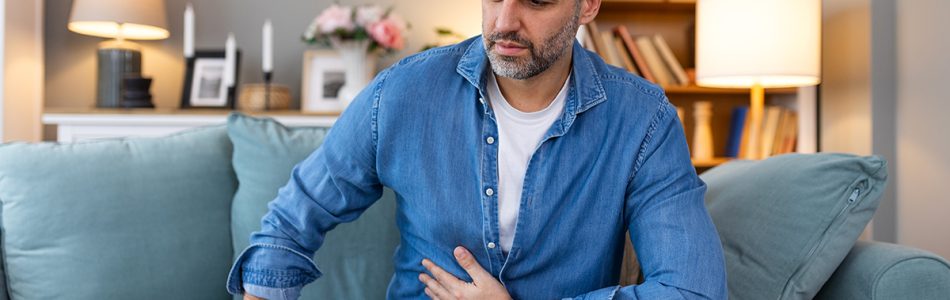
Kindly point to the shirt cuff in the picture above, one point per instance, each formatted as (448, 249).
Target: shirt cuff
(269, 293)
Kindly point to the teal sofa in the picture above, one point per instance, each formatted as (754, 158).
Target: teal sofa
(163, 218)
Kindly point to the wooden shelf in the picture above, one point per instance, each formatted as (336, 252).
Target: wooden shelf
(711, 163)
(675, 21)
(648, 4)
(696, 90)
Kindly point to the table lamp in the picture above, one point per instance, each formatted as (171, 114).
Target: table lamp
(758, 44)
(119, 59)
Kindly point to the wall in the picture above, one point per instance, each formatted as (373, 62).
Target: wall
(922, 108)
(70, 72)
(858, 93)
(845, 88)
(884, 111)
(22, 70)
(3, 5)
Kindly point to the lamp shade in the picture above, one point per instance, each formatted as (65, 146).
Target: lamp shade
(139, 19)
(771, 43)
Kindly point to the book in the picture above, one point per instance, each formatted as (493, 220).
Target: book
(671, 63)
(737, 124)
(594, 33)
(624, 55)
(790, 137)
(769, 125)
(747, 139)
(611, 57)
(654, 62)
(780, 131)
(638, 60)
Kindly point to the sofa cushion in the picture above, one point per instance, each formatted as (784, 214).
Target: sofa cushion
(356, 258)
(136, 218)
(788, 221)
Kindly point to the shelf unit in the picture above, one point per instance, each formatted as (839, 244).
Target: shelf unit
(675, 20)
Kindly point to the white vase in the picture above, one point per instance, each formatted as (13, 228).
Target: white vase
(359, 68)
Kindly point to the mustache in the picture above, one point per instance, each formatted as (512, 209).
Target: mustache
(510, 36)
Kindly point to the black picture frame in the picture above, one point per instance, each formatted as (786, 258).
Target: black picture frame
(217, 96)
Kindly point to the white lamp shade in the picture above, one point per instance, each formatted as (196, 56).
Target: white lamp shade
(773, 43)
(138, 19)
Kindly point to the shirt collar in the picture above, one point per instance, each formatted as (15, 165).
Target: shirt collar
(474, 67)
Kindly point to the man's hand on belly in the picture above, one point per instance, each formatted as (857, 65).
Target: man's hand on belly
(445, 286)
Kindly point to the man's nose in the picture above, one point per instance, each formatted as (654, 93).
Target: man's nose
(509, 18)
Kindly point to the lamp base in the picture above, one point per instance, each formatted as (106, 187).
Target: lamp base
(117, 59)
(756, 110)
(136, 93)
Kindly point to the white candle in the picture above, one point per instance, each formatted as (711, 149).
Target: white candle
(189, 31)
(268, 52)
(229, 60)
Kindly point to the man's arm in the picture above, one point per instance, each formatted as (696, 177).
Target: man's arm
(335, 184)
(676, 242)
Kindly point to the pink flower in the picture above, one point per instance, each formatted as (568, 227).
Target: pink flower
(388, 32)
(366, 15)
(334, 18)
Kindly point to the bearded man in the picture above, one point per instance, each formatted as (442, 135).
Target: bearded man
(519, 161)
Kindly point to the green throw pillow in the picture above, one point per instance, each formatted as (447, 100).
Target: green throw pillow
(356, 258)
(136, 218)
(787, 222)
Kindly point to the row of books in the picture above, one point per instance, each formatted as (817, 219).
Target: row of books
(778, 133)
(648, 56)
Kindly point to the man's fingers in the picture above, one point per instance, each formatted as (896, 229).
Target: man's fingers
(434, 289)
(471, 266)
(447, 280)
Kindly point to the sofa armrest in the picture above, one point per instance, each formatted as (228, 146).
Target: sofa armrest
(874, 270)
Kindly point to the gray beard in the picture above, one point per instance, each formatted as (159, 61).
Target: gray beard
(540, 59)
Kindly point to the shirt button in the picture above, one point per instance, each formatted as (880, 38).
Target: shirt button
(491, 245)
(489, 192)
(482, 100)
(490, 140)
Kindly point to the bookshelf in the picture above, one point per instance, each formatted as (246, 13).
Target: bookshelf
(675, 20)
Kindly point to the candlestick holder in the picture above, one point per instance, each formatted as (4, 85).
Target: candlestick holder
(267, 80)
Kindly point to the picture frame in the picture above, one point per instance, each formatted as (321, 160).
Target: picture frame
(324, 74)
(203, 86)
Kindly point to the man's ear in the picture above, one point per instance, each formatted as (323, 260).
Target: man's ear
(589, 10)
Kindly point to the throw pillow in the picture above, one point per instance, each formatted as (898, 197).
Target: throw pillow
(788, 221)
(356, 258)
(136, 218)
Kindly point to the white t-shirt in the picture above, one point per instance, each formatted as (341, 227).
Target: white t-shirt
(519, 134)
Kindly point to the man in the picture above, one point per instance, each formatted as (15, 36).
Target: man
(519, 160)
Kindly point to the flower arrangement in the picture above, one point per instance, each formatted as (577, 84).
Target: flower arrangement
(337, 23)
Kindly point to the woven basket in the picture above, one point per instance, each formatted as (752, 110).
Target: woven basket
(252, 97)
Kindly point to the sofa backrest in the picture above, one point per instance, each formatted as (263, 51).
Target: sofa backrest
(136, 218)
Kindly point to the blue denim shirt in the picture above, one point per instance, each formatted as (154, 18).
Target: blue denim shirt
(615, 160)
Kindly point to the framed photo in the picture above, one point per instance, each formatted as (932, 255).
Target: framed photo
(204, 81)
(323, 75)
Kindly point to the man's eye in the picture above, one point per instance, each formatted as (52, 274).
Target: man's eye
(537, 2)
